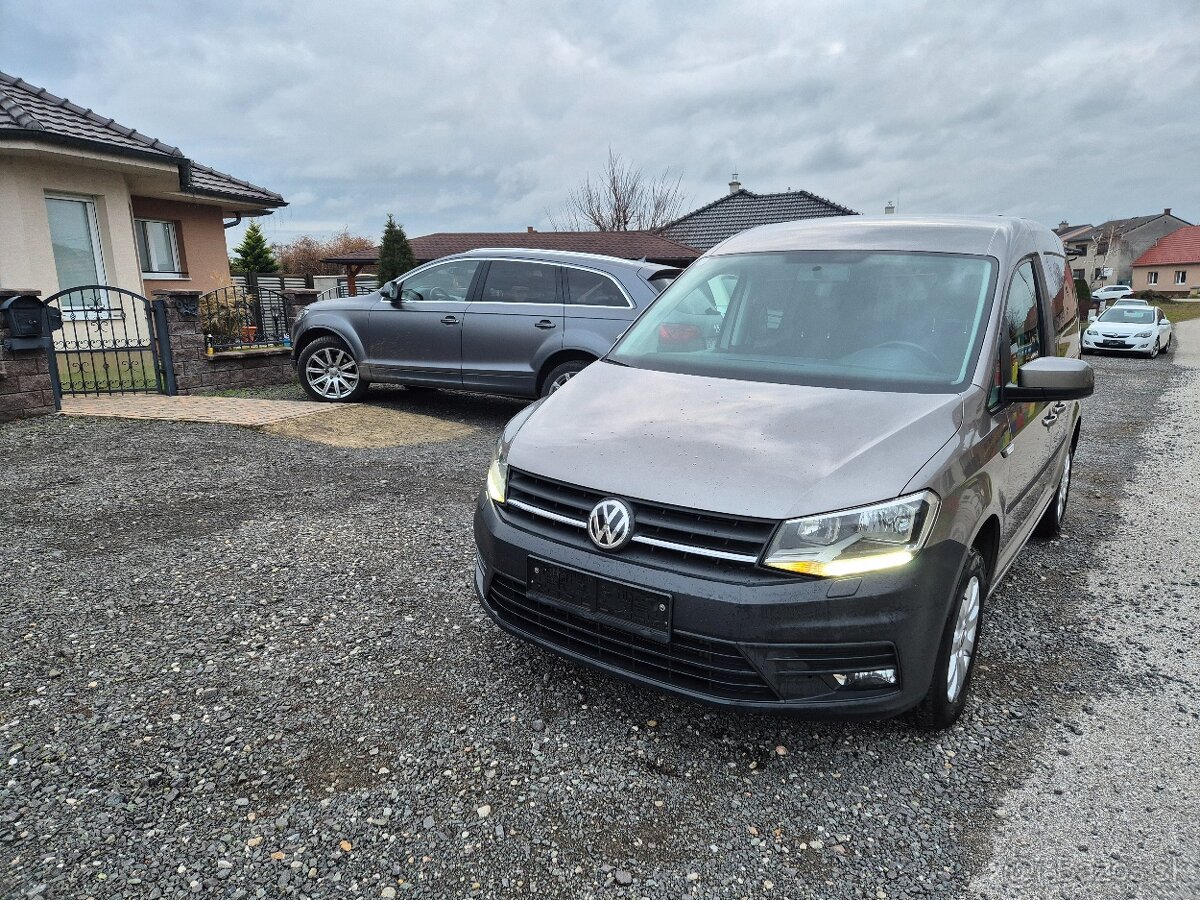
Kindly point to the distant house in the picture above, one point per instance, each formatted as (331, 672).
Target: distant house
(84, 200)
(1172, 265)
(1104, 254)
(741, 209)
(624, 244)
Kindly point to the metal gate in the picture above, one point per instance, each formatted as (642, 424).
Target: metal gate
(112, 341)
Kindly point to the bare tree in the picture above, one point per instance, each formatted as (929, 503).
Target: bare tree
(621, 198)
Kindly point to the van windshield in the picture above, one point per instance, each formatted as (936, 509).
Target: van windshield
(872, 320)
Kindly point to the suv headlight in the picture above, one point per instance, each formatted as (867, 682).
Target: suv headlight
(880, 536)
(497, 476)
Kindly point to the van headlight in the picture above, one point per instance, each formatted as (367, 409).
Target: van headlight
(497, 476)
(868, 539)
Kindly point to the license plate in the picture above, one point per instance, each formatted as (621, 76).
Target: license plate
(623, 605)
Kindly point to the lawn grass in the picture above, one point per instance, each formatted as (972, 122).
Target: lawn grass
(1180, 312)
(101, 371)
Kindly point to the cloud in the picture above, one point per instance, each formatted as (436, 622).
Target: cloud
(462, 116)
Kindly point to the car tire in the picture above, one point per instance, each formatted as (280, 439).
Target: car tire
(1051, 523)
(1153, 352)
(329, 373)
(560, 375)
(958, 649)
(1167, 349)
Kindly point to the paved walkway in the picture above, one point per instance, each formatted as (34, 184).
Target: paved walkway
(223, 410)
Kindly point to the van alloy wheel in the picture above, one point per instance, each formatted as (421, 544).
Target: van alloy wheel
(1064, 488)
(963, 648)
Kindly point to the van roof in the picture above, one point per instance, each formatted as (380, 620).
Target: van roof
(999, 236)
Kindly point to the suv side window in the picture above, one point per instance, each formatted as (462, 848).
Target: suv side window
(449, 281)
(1022, 324)
(520, 282)
(593, 289)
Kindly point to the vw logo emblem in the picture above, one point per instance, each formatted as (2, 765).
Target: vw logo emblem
(610, 525)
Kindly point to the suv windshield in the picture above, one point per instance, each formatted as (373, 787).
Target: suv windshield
(870, 320)
(1130, 315)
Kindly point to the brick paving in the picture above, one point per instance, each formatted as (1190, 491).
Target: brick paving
(222, 410)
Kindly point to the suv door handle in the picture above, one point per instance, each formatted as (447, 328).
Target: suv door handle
(545, 323)
(449, 320)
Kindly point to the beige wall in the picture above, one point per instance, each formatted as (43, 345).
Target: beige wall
(26, 256)
(116, 186)
(200, 233)
(1166, 278)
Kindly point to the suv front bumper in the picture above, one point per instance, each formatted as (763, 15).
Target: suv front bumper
(786, 643)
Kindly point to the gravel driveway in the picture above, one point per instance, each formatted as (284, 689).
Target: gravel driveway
(236, 664)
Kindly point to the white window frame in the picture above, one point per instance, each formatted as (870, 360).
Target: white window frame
(140, 237)
(1181, 276)
(89, 205)
(1151, 278)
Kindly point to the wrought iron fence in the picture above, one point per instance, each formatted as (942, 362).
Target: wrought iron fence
(241, 318)
(362, 287)
(111, 342)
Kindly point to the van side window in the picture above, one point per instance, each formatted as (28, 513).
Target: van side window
(1023, 323)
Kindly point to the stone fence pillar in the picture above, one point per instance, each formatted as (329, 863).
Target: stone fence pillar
(27, 387)
(182, 312)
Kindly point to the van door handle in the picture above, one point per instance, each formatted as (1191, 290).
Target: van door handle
(1007, 450)
(545, 323)
(1049, 419)
(449, 320)
(1059, 407)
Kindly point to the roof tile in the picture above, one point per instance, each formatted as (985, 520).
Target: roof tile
(1180, 247)
(726, 216)
(31, 110)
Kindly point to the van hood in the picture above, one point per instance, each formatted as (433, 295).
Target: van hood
(745, 448)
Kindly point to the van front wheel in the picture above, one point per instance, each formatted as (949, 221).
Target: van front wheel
(956, 654)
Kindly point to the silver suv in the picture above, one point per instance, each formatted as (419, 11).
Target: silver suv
(518, 322)
(806, 507)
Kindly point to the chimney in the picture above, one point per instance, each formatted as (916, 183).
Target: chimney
(1167, 211)
(735, 185)
(890, 208)
(529, 229)
(1063, 224)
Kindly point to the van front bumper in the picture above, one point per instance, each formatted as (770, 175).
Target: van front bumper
(847, 647)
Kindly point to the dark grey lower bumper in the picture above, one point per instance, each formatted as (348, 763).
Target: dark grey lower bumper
(768, 645)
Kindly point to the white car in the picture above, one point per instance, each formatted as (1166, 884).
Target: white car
(1130, 301)
(1112, 292)
(1130, 329)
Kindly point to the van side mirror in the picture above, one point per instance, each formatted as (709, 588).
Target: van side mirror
(390, 291)
(1051, 378)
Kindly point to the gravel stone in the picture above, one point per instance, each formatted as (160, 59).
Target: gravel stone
(239, 616)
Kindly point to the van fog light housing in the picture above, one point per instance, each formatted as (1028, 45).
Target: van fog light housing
(855, 541)
(873, 678)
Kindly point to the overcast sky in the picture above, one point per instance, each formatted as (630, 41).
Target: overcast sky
(478, 116)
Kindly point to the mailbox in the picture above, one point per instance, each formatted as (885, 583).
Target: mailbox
(30, 322)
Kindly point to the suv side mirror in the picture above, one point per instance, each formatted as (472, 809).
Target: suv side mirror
(390, 291)
(1051, 378)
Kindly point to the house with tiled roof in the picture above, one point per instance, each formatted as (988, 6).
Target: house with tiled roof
(1172, 265)
(740, 209)
(1105, 253)
(646, 245)
(86, 200)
